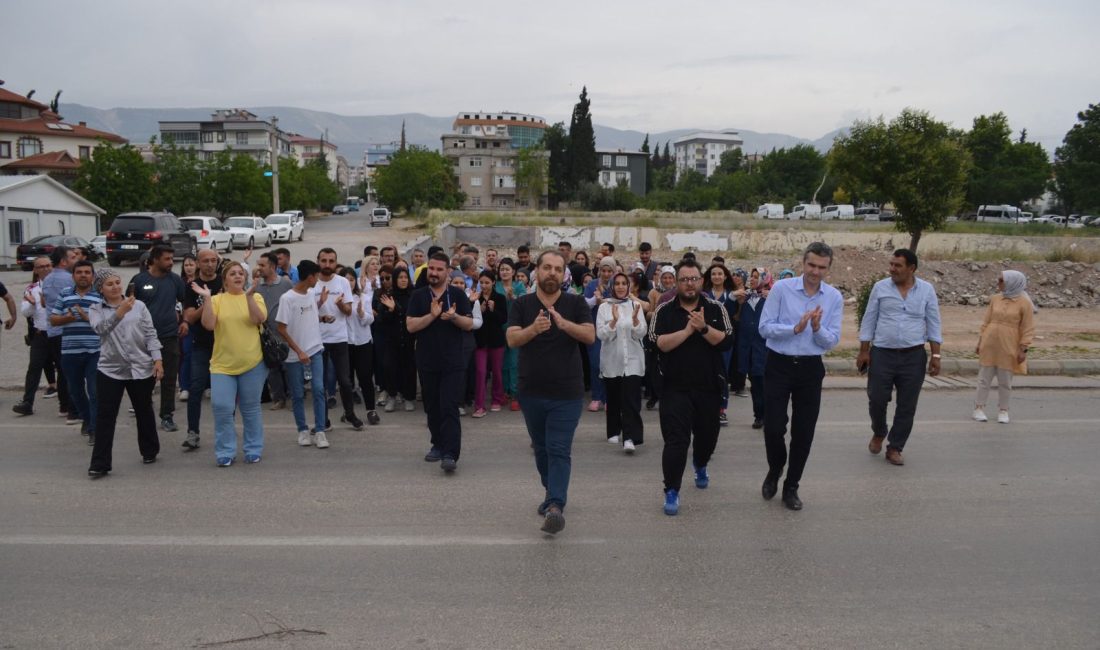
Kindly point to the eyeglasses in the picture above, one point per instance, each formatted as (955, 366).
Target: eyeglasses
(689, 280)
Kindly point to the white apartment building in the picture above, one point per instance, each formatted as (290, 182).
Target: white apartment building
(702, 151)
(231, 128)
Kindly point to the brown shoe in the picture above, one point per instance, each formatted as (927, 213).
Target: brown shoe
(278, 405)
(893, 456)
(875, 446)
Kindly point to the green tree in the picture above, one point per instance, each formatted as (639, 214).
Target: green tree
(648, 164)
(236, 184)
(729, 163)
(178, 179)
(738, 191)
(794, 172)
(916, 162)
(116, 179)
(556, 141)
(582, 143)
(1077, 163)
(418, 177)
(1003, 171)
(531, 175)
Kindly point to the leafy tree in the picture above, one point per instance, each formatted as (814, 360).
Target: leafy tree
(418, 176)
(729, 163)
(116, 179)
(178, 181)
(664, 177)
(916, 162)
(794, 172)
(740, 191)
(600, 199)
(582, 144)
(648, 164)
(1004, 171)
(666, 159)
(1077, 163)
(532, 165)
(556, 141)
(237, 185)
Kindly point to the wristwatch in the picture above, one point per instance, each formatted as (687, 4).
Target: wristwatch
(706, 328)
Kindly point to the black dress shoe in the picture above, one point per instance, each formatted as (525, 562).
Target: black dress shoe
(150, 460)
(791, 500)
(757, 424)
(97, 473)
(770, 487)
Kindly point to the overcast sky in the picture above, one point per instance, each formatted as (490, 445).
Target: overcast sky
(789, 66)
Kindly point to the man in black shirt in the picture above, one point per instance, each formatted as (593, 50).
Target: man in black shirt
(440, 315)
(546, 326)
(162, 290)
(202, 342)
(691, 333)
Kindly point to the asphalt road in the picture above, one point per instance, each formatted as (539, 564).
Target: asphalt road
(988, 537)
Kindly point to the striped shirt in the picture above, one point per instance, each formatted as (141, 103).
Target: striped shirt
(78, 336)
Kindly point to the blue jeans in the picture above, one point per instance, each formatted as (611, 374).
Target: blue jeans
(295, 376)
(80, 377)
(551, 424)
(226, 393)
(599, 391)
(200, 381)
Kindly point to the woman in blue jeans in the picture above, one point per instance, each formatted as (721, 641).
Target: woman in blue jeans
(237, 370)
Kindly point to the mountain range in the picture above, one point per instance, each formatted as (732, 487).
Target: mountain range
(352, 133)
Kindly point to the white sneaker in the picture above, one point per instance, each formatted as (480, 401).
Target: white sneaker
(1002, 417)
(979, 415)
(391, 403)
(322, 440)
(462, 410)
(183, 396)
(628, 446)
(409, 406)
(303, 439)
(614, 440)
(381, 398)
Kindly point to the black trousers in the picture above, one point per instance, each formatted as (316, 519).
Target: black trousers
(362, 364)
(624, 407)
(757, 392)
(109, 395)
(340, 356)
(470, 382)
(400, 373)
(443, 392)
(40, 358)
(736, 377)
(63, 402)
(797, 381)
(891, 369)
(170, 358)
(685, 412)
(652, 374)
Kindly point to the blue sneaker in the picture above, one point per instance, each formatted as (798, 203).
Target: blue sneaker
(225, 462)
(251, 459)
(672, 502)
(702, 479)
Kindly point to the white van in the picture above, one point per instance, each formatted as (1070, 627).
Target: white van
(770, 211)
(868, 214)
(998, 214)
(844, 211)
(804, 211)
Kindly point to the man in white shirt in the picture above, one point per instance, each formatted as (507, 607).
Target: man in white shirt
(299, 324)
(333, 294)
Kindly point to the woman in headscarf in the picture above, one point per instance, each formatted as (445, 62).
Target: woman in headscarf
(508, 286)
(751, 350)
(399, 356)
(1005, 336)
(621, 327)
(130, 361)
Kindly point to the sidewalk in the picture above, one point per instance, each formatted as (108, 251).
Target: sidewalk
(970, 382)
(969, 367)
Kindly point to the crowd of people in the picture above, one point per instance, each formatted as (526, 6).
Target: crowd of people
(472, 334)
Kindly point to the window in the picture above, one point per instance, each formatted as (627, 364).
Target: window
(475, 181)
(181, 138)
(207, 136)
(475, 200)
(85, 152)
(221, 136)
(475, 162)
(605, 178)
(620, 161)
(502, 203)
(5, 149)
(15, 231)
(242, 137)
(606, 161)
(620, 177)
(28, 147)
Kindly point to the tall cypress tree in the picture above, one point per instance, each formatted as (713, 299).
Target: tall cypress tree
(667, 159)
(648, 165)
(582, 144)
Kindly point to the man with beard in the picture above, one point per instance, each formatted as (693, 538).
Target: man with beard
(546, 325)
(439, 316)
(523, 260)
(202, 341)
(691, 332)
(333, 294)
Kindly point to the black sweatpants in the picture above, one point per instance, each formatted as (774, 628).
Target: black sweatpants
(170, 359)
(340, 356)
(687, 412)
(362, 364)
(62, 388)
(40, 358)
(400, 374)
(443, 391)
(624, 407)
(109, 395)
(797, 381)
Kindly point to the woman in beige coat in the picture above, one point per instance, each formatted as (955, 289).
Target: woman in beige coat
(1003, 342)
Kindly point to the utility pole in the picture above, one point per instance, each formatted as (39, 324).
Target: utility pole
(275, 164)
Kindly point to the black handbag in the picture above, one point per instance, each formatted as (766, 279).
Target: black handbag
(274, 348)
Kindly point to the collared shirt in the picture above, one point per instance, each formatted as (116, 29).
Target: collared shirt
(129, 345)
(293, 274)
(894, 322)
(694, 364)
(78, 336)
(786, 304)
(52, 285)
(37, 311)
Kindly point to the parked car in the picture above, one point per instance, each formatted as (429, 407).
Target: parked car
(1049, 218)
(209, 232)
(285, 226)
(1091, 221)
(340, 209)
(133, 233)
(770, 211)
(843, 211)
(45, 244)
(867, 214)
(999, 214)
(248, 231)
(804, 211)
(99, 242)
(379, 217)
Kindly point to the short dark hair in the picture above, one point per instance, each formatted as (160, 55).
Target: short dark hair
(324, 250)
(819, 248)
(688, 256)
(159, 251)
(387, 248)
(644, 246)
(466, 262)
(369, 250)
(282, 251)
(58, 254)
(523, 248)
(562, 243)
(83, 263)
(688, 263)
(610, 246)
(440, 256)
(538, 261)
(910, 256)
(307, 268)
(433, 249)
(470, 248)
(272, 258)
(718, 259)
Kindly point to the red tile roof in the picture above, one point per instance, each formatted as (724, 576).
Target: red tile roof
(39, 127)
(9, 96)
(58, 160)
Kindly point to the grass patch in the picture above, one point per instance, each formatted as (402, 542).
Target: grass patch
(1091, 337)
(1013, 230)
(1073, 253)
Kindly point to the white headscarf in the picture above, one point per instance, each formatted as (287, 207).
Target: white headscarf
(1015, 283)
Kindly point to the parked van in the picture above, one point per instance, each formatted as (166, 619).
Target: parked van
(998, 214)
(770, 211)
(845, 211)
(805, 211)
(868, 214)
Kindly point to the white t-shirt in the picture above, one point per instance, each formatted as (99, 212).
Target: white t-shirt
(337, 330)
(298, 311)
(359, 332)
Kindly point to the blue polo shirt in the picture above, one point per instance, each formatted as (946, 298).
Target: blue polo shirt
(77, 337)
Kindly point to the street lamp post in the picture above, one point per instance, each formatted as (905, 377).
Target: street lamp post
(274, 144)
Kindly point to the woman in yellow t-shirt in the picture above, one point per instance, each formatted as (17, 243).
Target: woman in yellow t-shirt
(237, 370)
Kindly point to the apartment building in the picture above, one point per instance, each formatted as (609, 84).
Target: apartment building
(702, 151)
(484, 149)
(618, 166)
(306, 150)
(231, 128)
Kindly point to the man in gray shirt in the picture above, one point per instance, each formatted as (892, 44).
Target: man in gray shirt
(272, 286)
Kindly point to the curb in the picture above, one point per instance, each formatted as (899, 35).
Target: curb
(969, 367)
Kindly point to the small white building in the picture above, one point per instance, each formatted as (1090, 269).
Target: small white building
(38, 205)
(702, 151)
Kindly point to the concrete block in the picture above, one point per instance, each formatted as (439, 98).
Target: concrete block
(651, 235)
(967, 366)
(600, 234)
(422, 242)
(627, 239)
(550, 237)
(1076, 367)
(698, 240)
(840, 367)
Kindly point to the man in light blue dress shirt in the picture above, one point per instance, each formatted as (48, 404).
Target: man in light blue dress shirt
(800, 322)
(902, 314)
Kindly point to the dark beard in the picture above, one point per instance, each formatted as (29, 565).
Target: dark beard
(549, 286)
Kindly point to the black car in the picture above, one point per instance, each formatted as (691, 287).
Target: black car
(134, 233)
(45, 244)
